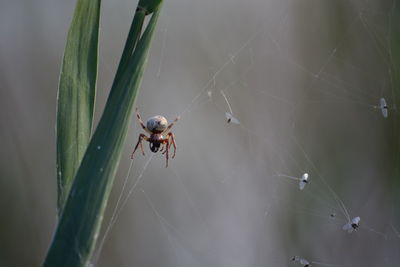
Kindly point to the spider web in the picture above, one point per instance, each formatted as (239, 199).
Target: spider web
(305, 83)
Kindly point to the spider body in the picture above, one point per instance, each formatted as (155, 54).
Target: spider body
(155, 141)
(160, 135)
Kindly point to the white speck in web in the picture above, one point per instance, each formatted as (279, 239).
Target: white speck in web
(59, 173)
(266, 213)
(98, 147)
(232, 58)
(101, 169)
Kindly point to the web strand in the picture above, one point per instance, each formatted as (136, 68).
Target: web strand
(118, 208)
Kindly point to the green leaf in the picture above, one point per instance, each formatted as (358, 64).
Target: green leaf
(76, 93)
(149, 5)
(133, 37)
(80, 222)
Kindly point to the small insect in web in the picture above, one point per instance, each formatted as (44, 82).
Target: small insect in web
(303, 180)
(302, 261)
(383, 107)
(352, 225)
(230, 118)
(160, 135)
(229, 115)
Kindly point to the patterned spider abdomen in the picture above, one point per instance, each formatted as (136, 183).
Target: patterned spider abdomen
(157, 124)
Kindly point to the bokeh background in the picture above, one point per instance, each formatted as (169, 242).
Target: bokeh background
(303, 77)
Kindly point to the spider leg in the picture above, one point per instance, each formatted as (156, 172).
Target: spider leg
(170, 126)
(166, 151)
(164, 141)
(141, 122)
(169, 146)
(139, 143)
(162, 148)
(172, 143)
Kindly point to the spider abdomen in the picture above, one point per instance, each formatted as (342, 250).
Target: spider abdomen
(157, 124)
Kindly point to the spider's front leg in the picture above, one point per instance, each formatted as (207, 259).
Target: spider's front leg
(170, 126)
(139, 143)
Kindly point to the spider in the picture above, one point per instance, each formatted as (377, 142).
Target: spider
(159, 135)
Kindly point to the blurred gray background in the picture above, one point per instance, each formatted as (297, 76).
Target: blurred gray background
(304, 77)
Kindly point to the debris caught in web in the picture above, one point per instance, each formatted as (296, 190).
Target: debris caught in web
(302, 261)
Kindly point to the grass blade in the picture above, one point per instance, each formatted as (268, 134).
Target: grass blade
(76, 93)
(133, 37)
(80, 222)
